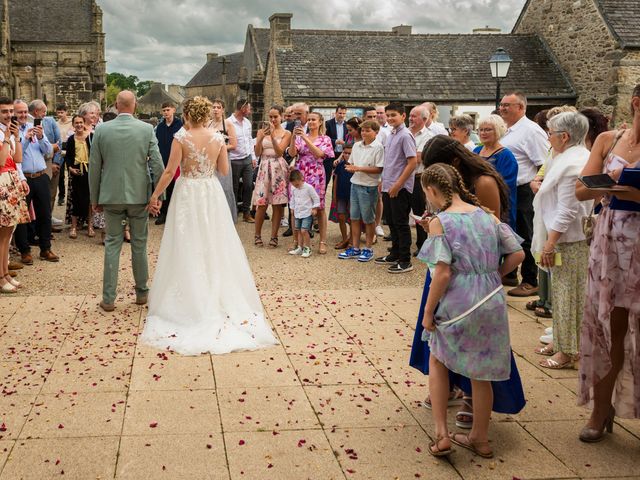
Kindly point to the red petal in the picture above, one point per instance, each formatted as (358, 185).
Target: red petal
(153, 424)
(60, 426)
(241, 442)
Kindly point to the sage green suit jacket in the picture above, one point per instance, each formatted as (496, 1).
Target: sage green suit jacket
(125, 162)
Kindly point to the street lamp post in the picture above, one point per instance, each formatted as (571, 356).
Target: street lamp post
(499, 62)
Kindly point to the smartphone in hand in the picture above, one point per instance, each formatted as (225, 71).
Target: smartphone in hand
(601, 182)
(37, 122)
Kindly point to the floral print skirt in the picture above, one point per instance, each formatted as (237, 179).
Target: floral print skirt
(569, 288)
(13, 207)
(271, 182)
(614, 281)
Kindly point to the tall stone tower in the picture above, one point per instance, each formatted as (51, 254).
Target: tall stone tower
(5, 51)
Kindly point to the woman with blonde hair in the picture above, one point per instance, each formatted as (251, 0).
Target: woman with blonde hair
(203, 297)
(312, 148)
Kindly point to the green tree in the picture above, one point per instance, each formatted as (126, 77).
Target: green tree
(123, 82)
(143, 87)
(112, 93)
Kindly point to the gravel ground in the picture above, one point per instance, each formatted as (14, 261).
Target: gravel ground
(79, 271)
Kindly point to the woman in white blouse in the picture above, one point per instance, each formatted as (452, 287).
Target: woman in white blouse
(558, 238)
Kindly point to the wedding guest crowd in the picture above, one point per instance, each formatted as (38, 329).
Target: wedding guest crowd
(518, 191)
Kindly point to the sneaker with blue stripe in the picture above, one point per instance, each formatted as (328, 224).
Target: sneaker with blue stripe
(350, 253)
(366, 255)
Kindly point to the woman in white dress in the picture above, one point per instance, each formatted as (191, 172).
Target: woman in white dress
(203, 297)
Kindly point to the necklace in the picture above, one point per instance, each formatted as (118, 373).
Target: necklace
(630, 143)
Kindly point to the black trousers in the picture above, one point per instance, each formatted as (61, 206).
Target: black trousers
(61, 183)
(524, 228)
(327, 163)
(418, 205)
(40, 196)
(243, 169)
(397, 211)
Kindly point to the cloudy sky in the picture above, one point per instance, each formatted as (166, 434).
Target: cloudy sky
(166, 40)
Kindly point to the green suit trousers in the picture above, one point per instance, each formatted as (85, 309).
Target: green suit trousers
(116, 217)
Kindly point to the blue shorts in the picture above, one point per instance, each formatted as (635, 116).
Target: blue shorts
(363, 203)
(304, 223)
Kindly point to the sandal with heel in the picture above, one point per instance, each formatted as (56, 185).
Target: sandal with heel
(273, 243)
(257, 241)
(463, 440)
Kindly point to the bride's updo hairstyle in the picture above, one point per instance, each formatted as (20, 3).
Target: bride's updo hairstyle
(197, 110)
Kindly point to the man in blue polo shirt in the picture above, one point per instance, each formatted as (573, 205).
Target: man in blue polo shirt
(35, 147)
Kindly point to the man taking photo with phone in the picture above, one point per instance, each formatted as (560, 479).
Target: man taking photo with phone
(35, 148)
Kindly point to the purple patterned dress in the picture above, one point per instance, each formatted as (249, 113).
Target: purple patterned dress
(472, 326)
(313, 168)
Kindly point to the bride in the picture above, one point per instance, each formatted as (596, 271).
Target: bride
(203, 297)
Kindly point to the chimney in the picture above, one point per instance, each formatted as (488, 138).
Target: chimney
(280, 26)
(402, 30)
(211, 56)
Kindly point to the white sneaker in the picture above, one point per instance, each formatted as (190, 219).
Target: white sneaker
(546, 339)
(306, 252)
(379, 231)
(548, 331)
(295, 251)
(284, 222)
(56, 221)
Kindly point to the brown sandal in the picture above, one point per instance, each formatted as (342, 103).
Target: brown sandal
(91, 232)
(73, 233)
(342, 245)
(323, 248)
(258, 241)
(547, 350)
(437, 452)
(463, 440)
(273, 243)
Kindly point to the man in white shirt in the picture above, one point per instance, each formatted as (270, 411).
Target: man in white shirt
(433, 125)
(381, 116)
(241, 157)
(417, 126)
(529, 144)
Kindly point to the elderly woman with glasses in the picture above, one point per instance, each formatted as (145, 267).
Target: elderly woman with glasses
(460, 128)
(558, 239)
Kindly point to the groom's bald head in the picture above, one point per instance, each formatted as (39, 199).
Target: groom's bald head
(126, 102)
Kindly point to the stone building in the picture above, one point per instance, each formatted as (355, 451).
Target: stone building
(150, 104)
(52, 50)
(218, 78)
(597, 43)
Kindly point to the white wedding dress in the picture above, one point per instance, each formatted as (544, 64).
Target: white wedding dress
(203, 297)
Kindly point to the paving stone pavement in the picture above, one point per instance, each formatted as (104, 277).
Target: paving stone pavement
(82, 399)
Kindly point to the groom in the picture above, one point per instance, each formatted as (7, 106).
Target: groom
(124, 152)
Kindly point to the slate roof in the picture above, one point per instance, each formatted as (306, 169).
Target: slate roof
(263, 38)
(211, 72)
(53, 21)
(387, 66)
(623, 18)
(157, 95)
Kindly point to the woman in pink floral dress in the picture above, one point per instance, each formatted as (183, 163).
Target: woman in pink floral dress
(273, 172)
(312, 148)
(610, 336)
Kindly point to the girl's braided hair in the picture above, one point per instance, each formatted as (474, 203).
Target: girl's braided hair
(470, 166)
(449, 181)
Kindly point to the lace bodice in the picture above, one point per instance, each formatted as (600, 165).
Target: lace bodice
(200, 152)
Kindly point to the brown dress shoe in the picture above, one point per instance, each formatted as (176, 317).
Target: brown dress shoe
(248, 218)
(107, 307)
(26, 259)
(523, 290)
(142, 299)
(49, 256)
(13, 273)
(15, 266)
